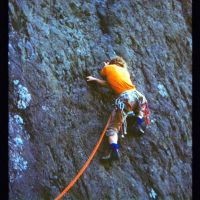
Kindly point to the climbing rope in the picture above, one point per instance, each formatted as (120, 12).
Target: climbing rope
(86, 163)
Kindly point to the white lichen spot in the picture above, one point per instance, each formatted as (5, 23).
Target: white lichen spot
(26, 136)
(45, 108)
(16, 82)
(18, 141)
(24, 97)
(152, 194)
(18, 161)
(18, 119)
(162, 90)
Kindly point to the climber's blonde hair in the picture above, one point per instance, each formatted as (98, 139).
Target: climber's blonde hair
(118, 61)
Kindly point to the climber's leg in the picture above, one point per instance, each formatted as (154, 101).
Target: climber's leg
(112, 133)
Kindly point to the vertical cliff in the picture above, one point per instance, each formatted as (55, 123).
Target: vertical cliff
(55, 116)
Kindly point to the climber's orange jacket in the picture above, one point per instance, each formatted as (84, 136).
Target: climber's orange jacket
(118, 78)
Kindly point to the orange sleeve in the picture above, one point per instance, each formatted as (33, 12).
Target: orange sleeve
(103, 71)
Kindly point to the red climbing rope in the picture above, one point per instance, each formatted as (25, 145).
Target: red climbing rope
(86, 163)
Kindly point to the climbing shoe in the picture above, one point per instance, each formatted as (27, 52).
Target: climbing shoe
(112, 156)
(113, 153)
(139, 129)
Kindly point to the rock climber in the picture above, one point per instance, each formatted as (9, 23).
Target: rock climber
(128, 100)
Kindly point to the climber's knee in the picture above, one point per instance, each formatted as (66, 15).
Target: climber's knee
(111, 132)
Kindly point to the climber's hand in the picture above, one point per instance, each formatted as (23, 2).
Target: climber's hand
(99, 81)
(106, 63)
(91, 78)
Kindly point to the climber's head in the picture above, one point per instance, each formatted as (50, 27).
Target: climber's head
(118, 61)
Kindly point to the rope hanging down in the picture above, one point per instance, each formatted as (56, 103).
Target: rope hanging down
(86, 163)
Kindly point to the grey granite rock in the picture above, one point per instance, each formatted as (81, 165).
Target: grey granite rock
(56, 116)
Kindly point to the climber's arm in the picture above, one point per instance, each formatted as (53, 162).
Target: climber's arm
(99, 81)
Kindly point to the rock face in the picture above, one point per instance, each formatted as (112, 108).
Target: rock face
(56, 117)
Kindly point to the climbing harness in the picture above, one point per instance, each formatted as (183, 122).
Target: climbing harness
(122, 102)
(123, 126)
(86, 163)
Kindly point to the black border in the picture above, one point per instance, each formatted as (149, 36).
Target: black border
(196, 100)
(4, 99)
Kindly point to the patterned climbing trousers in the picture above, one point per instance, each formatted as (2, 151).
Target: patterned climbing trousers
(125, 102)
